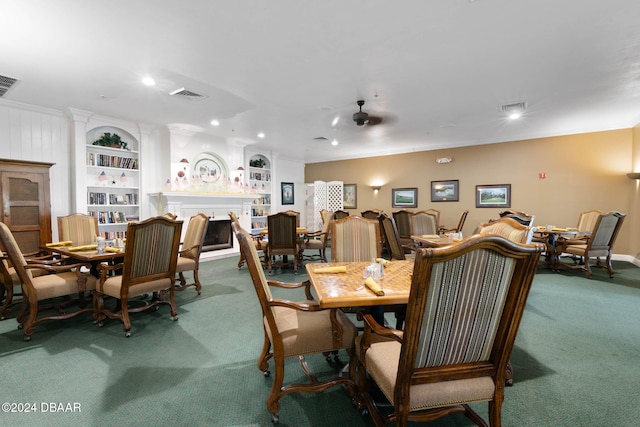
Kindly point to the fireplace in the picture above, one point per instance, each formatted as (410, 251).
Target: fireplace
(218, 236)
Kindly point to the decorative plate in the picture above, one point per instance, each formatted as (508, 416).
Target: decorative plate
(210, 168)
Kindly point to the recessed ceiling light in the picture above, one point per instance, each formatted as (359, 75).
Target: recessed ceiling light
(335, 121)
(261, 135)
(334, 142)
(148, 81)
(214, 122)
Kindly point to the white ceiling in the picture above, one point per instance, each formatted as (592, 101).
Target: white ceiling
(440, 68)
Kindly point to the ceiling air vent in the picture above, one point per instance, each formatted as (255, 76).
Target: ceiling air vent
(5, 84)
(518, 106)
(187, 94)
(320, 138)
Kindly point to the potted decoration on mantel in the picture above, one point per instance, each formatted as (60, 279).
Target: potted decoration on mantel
(111, 140)
(257, 163)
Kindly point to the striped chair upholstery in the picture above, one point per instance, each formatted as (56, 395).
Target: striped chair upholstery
(149, 266)
(59, 281)
(509, 229)
(423, 222)
(466, 304)
(403, 223)
(190, 249)
(355, 239)
(78, 228)
(294, 329)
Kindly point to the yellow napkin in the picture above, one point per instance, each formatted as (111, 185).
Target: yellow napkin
(111, 249)
(374, 287)
(430, 236)
(572, 229)
(83, 248)
(338, 269)
(385, 262)
(54, 244)
(559, 229)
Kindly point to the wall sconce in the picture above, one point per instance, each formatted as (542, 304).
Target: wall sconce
(375, 188)
(634, 175)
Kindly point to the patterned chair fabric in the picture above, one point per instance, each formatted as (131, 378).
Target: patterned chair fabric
(149, 266)
(283, 239)
(190, 250)
(59, 281)
(78, 228)
(467, 302)
(355, 239)
(600, 242)
(423, 222)
(294, 329)
(508, 228)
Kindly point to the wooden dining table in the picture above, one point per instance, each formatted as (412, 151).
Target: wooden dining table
(333, 290)
(550, 238)
(86, 253)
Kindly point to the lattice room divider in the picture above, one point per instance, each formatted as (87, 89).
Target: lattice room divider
(322, 195)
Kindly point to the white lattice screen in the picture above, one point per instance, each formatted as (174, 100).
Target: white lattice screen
(322, 195)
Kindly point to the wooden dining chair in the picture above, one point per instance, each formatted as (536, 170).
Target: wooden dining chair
(458, 228)
(78, 228)
(424, 222)
(190, 250)
(355, 239)
(317, 240)
(283, 240)
(508, 228)
(403, 223)
(339, 214)
(55, 281)
(149, 266)
(466, 303)
(520, 216)
(294, 329)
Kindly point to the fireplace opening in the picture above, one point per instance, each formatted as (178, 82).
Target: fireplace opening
(218, 236)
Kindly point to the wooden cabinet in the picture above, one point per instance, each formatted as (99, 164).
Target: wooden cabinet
(26, 203)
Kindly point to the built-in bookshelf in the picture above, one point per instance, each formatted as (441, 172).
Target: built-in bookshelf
(260, 183)
(113, 184)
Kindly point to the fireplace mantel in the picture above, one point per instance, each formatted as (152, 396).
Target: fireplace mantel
(215, 205)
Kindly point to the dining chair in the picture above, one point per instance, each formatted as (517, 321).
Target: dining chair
(600, 244)
(392, 238)
(458, 228)
(403, 223)
(297, 215)
(423, 222)
(282, 240)
(259, 242)
(355, 239)
(149, 266)
(190, 250)
(339, 214)
(371, 213)
(43, 282)
(78, 228)
(522, 217)
(508, 228)
(586, 223)
(294, 329)
(317, 240)
(467, 301)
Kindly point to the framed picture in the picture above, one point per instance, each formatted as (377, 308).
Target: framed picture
(286, 188)
(349, 196)
(493, 196)
(444, 191)
(404, 198)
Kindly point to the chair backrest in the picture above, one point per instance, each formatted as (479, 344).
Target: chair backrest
(13, 256)
(391, 237)
(326, 216)
(509, 229)
(233, 217)
(194, 237)
(355, 239)
(604, 233)
(522, 217)
(170, 215)
(371, 213)
(403, 222)
(78, 228)
(435, 213)
(339, 214)
(297, 215)
(463, 218)
(282, 231)
(467, 301)
(423, 222)
(152, 251)
(588, 219)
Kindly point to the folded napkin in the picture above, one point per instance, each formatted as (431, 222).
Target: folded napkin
(338, 269)
(559, 229)
(374, 287)
(83, 248)
(385, 262)
(111, 249)
(572, 229)
(430, 236)
(55, 244)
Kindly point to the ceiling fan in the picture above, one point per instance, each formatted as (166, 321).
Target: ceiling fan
(362, 118)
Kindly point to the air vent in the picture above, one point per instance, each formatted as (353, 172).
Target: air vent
(320, 138)
(5, 84)
(518, 106)
(187, 94)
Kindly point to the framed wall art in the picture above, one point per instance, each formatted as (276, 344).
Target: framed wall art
(444, 191)
(404, 198)
(493, 196)
(350, 196)
(286, 189)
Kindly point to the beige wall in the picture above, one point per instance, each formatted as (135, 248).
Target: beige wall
(584, 171)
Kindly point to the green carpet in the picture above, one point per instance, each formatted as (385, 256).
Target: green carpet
(577, 361)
